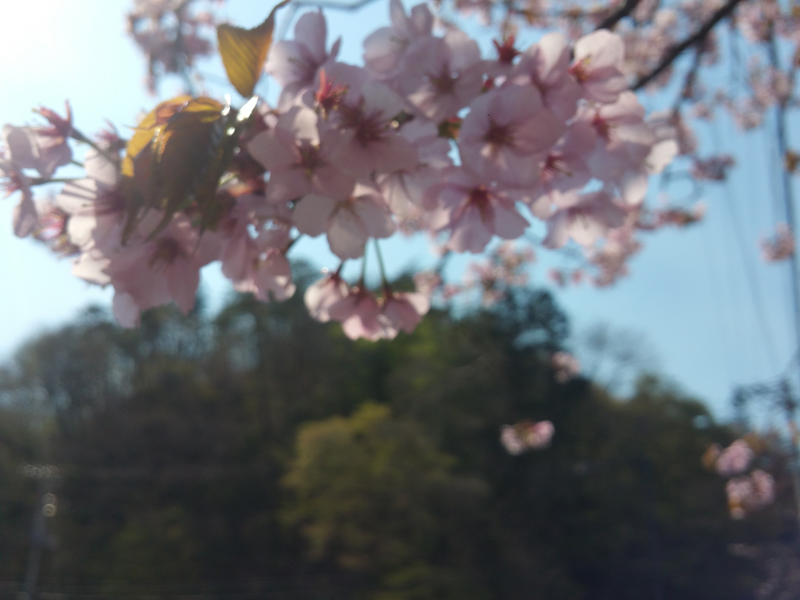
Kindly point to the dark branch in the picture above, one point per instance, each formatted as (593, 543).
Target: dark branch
(333, 4)
(696, 38)
(623, 11)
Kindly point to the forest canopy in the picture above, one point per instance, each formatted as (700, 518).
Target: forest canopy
(259, 453)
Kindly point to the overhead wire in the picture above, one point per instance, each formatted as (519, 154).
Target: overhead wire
(745, 257)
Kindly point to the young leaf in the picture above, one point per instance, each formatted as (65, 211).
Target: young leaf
(170, 156)
(146, 131)
(137, 188)
(244, 51)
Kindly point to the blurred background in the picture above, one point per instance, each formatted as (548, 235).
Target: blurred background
(246, 451)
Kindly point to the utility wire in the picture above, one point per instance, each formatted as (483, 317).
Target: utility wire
(747, 265)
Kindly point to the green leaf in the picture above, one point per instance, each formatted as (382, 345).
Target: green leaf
(174, 152)
(147, 130)
(244, 52)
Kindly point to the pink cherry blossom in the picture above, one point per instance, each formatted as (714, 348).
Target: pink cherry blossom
(565, 365)
(51, 228)
(239, 249)
(597, 66)
(384, 49)
(372, 141)
(473, 212)
(734, 459)
(348, 222)
(539, 435)
(300, 158)
(95, 205)
(750, 492)
(583, 217)
(360, 316)
(714, 168)
(503, 133)
(781, 246)
(269, 276)
(442, 75)
(404, 189)
(526, 435)
(404, 310)
(611, 258)
(323, 294)
(546, 66)
(147, 273)
(25, 216)
(28, 149)
(295, 63)
(511, 440)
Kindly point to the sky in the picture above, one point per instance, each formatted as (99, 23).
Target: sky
(713, 313)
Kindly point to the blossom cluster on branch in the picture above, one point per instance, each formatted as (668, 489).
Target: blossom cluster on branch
(526, 435)
(427, 135)
(746, 492)
(172, 35)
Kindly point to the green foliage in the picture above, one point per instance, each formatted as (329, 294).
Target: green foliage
(244, 52)
(375, 495)
(260, 452)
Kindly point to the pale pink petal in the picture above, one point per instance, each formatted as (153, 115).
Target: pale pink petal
(508, 223)
(346, 234)
(312, 213)
(126, 311)
(182, 282)
(25, 216)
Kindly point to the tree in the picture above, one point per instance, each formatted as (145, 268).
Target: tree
(268, 454)
(427, 136)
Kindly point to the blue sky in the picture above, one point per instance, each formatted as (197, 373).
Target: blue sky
(714, 313)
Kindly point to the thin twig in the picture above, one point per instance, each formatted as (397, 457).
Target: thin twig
(348, 6)
(623, 11)
(698, 37)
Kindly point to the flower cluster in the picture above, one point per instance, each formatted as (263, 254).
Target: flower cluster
(427, 136)
(171, 35)
(746, 492)
(526, 435)
(750, 492)
(781, 246)
(566, 366)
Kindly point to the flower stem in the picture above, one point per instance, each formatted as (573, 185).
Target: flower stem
(77, 135)
(364, 267)
(381, 266)
(43, 181)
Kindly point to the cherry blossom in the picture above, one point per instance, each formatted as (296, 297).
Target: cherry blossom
(426, 137)
(360, 316)
(404, 310)
(734, 459)
(597, 66)
(504, 132)
(373, 144)
(442, 75)
(781, 246)
(545, 65)
(749, 493)
(43, 149)
(294, 64)
(473, 212)
(300, 158)
(526, 435)
(25, 216)
(384, 49)
(348, 222)
(585, 218)
(565, 365)
(150, 272)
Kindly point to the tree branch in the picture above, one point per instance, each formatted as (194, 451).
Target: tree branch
(724, 11)
(623, 11)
